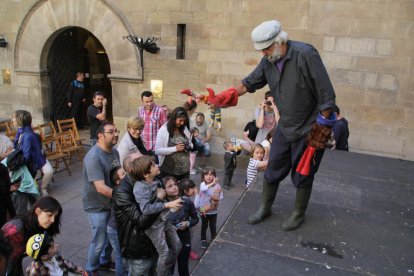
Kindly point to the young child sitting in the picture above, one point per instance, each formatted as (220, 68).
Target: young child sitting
(256, 164)
(116, 175)
(148, 193)
(207, 202)
(230, 163)
(46, 258)
(183, 220)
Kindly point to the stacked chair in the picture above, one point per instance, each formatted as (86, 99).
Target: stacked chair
(59, 146)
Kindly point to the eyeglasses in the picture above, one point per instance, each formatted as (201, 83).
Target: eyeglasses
(113, 131)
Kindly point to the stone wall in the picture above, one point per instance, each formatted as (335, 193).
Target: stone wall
(367, 47)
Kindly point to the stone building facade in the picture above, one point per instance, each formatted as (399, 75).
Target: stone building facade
(367, 47)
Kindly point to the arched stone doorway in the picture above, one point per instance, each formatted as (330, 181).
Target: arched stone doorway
(45, 21)
(77, 50)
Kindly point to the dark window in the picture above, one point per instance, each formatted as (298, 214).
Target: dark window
(181, 41)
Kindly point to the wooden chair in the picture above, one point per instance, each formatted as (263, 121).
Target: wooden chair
(47, 133)
(4, 126)
(69, 145)
(56, 155)
(70, 124)
(10, 130)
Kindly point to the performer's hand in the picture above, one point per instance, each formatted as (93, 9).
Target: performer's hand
(70, 104)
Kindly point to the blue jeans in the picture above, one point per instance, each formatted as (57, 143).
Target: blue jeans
(99, 251)
(142, 267)
(113, 239)
(165, 239)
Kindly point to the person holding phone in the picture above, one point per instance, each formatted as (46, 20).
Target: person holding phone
(96, 115)
(173, 146)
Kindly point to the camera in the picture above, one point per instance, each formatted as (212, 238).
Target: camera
(187, 147)
(269, 103)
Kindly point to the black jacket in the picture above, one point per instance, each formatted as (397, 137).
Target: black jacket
(131, 223)
(230, 162)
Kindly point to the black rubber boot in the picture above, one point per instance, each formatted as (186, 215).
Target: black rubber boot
(265, 209)
(298, 216)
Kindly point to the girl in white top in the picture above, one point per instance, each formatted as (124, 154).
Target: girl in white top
(255, 163)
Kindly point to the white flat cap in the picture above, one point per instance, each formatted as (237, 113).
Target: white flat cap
(264, 35)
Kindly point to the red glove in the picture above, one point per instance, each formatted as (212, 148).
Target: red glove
(224, 99)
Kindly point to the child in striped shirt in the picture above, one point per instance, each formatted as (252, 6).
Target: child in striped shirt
(255, 163)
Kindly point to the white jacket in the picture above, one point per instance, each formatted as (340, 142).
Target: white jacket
(161, 144)
(126, 147)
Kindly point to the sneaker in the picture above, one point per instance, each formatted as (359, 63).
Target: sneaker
(194, 256)
(108, 266)
(204, 244)
(193, 172)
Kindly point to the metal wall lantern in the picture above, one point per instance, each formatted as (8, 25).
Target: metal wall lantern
(148, 45)
(3, 42)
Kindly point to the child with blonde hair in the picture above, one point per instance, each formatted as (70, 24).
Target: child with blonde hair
(256, 163)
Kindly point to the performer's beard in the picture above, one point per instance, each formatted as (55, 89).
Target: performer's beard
(275, 55)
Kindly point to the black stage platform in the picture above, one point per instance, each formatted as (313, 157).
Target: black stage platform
(359, 222)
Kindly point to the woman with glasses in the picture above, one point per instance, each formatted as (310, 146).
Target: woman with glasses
(131, 142)
(173, 145)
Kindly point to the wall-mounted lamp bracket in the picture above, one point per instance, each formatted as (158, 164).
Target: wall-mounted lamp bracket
(3, 42)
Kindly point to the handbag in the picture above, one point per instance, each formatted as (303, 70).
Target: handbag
(16, 158)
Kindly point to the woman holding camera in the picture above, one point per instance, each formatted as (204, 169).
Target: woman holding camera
(173, 145)
(266, 117)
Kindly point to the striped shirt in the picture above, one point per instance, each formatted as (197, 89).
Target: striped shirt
(153, 119)
(252, 170)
